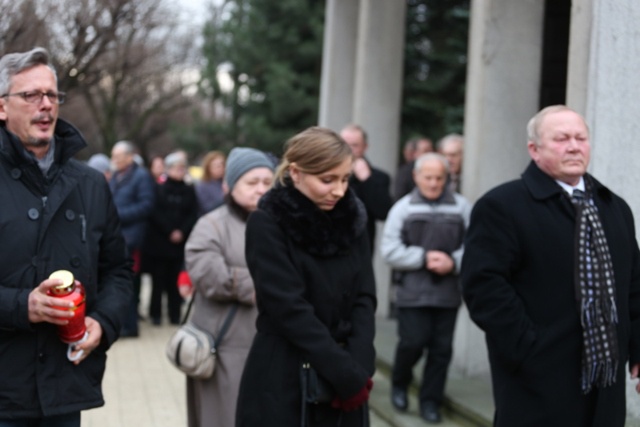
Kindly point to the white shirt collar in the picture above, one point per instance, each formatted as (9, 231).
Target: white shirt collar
(569, 189)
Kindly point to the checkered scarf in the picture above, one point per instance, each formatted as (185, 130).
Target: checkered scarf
(596, 291)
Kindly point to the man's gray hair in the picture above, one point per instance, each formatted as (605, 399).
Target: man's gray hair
(174, 159)
(431, 156)
(126, 146)
(448, 139)
(15, 63)
(358, 128)
(533, 127)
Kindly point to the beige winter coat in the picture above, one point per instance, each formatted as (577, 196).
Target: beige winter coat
(214, 256)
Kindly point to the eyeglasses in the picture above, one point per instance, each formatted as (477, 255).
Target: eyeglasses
(35, 96)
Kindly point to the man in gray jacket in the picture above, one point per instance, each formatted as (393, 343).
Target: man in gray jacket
(422, 239)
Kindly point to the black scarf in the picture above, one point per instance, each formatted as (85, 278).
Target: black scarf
(322, 233)
(596, 292)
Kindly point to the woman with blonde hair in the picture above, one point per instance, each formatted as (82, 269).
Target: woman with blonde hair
(308, 253)
(209, 188)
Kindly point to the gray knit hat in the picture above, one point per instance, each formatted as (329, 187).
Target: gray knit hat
(99, 162)
(241, 160)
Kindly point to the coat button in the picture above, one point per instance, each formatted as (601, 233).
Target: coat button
(34, 214)
(75, 261)
(16, 173)
(70, 215)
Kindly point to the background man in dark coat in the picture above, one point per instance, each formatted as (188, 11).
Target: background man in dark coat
(371, 185)
(133, 191)
(57, 213)
(451, 146)
(559, 325)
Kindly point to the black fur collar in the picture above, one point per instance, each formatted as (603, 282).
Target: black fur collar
(322, 233)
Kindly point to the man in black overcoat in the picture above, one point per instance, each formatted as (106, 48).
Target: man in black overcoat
(370, 184)
(56, 214)
(553, 278)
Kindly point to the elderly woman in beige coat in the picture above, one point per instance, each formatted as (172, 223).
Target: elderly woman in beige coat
(214, 256)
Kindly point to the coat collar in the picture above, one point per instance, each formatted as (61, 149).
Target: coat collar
(68, 143)
(323, 233)
(542, 186)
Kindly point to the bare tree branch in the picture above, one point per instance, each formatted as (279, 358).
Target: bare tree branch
(120, 61)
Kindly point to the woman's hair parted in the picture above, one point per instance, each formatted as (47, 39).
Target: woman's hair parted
(314, 150)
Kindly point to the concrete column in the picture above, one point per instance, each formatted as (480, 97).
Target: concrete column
(503, 80)
(579, 50)
(612, 107)
(338, 63)
(604, 65)
(378, 84)
(377, 100)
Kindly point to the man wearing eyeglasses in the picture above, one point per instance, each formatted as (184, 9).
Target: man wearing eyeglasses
(57, 214)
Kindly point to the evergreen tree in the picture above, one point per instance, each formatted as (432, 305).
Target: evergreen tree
(272, 52)
(435, 68)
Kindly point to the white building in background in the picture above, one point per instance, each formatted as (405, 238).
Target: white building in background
(523, 55)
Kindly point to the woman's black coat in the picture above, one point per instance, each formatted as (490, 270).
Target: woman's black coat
(316, 300)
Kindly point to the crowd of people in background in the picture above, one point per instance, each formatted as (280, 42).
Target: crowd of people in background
(205, 217)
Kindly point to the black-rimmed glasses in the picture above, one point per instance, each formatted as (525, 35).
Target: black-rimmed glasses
(35, 96)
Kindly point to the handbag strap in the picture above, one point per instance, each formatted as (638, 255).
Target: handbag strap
(227, 323)
(186, 314)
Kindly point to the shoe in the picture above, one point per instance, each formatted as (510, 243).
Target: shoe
(155, 321)
(430, 412)
(399, 398)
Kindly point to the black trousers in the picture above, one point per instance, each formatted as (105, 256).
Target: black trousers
(66, 420)
(420, 329)
(130, 322)
(164, 275)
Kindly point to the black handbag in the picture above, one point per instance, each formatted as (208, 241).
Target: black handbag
(315, 389)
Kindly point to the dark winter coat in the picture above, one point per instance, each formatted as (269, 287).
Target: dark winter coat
(133, 194)
(176, 208)
(374, 193)
(518, 283)
(67, 221)
(404, 183)
(316, 300)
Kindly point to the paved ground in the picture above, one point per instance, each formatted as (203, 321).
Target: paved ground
(142, 389)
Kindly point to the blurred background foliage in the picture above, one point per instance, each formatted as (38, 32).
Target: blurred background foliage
(249, 75)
